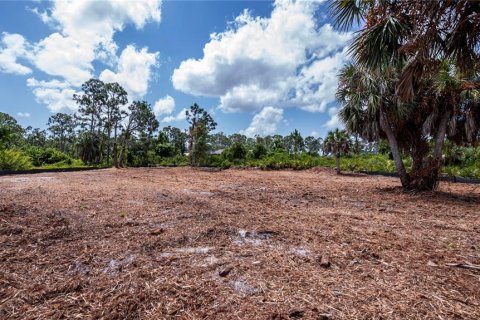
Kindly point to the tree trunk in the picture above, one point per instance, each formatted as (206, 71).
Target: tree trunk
(426, 178)
(397, 157)
(440, 138)
(123, 149)
(115, 151)
(109, 132)
(337, 161)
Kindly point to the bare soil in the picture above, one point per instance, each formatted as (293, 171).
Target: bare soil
(237, 244)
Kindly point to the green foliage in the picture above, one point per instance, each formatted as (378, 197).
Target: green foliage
(259, 151)
(237, 151)
(179, 160)
(219, 161)
(200, 149)
(70, 163)
(10, 132)
(284, 160)
(313, 145)
(165, 150)
(88, 148)
(47, 156)
(201, 123)
(176, 137)
(14, 160)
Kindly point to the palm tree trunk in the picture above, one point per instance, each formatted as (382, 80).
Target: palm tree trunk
(440, 138)
(392, 141)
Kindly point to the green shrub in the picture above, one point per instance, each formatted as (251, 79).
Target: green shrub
(70, 163)
(46, 156)
(165, 150)
(259, 151)
(178, 160)
(14, 160)
(237, 151)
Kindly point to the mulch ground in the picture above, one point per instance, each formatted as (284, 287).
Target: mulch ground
(184, 243)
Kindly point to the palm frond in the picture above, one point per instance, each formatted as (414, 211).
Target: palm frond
(349, 12)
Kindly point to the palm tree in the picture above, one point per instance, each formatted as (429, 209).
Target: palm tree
(414, 78)
(337, 143)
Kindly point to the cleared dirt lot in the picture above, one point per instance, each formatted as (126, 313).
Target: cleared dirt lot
(236, 244)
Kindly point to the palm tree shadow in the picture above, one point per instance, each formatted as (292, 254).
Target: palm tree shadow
(435, 196)
(456, 197)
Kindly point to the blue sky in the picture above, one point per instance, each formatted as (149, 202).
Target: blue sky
(259, 67)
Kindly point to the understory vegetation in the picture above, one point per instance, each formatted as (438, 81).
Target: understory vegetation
(27, 148)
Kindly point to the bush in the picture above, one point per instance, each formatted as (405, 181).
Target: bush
(178, 160)
(236, 152)
(14, 160)
(71, 163)
(46, 156)
(259, 151)
(165, 150)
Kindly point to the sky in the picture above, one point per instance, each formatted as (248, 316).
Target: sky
(258, 67)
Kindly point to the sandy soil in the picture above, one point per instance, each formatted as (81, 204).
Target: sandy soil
(236, 244)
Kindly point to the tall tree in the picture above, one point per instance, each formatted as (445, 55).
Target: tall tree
(10, 131)
(219, 141)
(201, 123)
(141, 121)
(62, 127)
(177, 138)
(89, 117)
(36, 137)
(116, 98)
(313, 145)
(278, 143)
(337, 143)
(90, 104)
(298, 145)
(414, 78)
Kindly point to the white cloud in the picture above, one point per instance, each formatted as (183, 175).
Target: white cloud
(13, 47)
(86, 30)
(65, 57)
(285, 60)
(85, 34)
(179, 117)
(134, 71)
(23, 114)
(315, 134)
(165, 105)
(57, 95)
(265, 122)
(334, 121)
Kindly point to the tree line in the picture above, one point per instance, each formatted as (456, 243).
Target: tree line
(108, 130)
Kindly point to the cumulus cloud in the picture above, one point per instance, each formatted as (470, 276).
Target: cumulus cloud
(57, 95)
(134, 71)
(12, 48)
(165, 105)
(265, 122)
(334, 121)
(84, 33)
(23, 114)
(179, 117)
(285, 60)
(86, 30)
